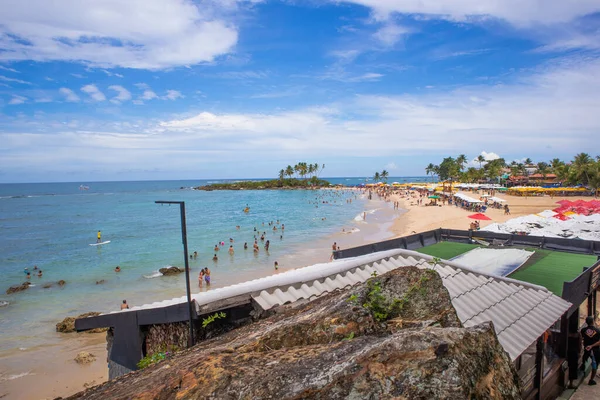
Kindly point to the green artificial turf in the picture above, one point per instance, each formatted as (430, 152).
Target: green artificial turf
(447, 250)
(552, 268)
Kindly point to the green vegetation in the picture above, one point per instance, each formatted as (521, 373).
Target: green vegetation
(582, 170)
(300, 176)
(153, 358)
(552, 268)
(212, 318)
(383, 309)
(381, 176)
(447, 250)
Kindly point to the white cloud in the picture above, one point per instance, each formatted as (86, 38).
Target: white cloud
(173, 95)
(489, 156)
(148, 95)
(122, 94)
(70, 95)
(79, 76)
(486, 156)
(16, 99)
(389, 34)
(7, 79)
(391, 166)
(93, 92)
(516, 12)
(148, 34)
(560, 100)
(8, 69)
(561, 119)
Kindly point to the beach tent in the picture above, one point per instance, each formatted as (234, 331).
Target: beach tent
(497, 200)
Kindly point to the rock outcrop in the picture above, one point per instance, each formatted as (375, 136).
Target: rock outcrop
(18, 288)
(171, 271)
(83, 357)
(67, 325)
(397, 336)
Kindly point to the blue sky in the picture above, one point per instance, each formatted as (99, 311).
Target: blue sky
(182, 89)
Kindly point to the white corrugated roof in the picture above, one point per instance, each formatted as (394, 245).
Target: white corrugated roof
(521, 312)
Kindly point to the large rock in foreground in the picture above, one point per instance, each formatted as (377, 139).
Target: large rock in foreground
(397, 336)
(67, 325)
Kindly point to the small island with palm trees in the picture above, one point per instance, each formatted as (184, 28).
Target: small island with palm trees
(300, 176)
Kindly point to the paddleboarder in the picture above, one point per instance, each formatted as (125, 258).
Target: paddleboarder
(99, 237)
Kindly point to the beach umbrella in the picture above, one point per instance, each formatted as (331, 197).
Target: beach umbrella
(434, 197)
(562, 217)
(480, 216)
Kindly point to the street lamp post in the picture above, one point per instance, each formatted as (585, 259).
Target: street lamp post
(187, 266)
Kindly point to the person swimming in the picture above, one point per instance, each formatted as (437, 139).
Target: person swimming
(118, 269)
(215, 258)
(230, 249)
(245, 245)
(124, 305)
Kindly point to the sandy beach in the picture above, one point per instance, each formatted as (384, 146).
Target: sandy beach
(382, 222)
(423, 218)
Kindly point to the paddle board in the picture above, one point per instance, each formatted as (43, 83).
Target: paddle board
(98, 244)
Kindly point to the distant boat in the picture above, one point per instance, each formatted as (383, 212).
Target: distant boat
(83, 187)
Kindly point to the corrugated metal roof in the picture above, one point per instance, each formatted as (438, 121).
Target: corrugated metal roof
(520, 311)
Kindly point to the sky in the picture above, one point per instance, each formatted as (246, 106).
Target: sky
(185, 89)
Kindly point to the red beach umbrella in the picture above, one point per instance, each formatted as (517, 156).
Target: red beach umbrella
(480, 216)
(564, 203)
(562, 217)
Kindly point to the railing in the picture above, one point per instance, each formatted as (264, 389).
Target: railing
(419, 240)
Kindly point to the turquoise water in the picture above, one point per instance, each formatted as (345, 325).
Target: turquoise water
(52, 225)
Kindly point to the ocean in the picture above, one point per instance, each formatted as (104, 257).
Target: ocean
(51, 226)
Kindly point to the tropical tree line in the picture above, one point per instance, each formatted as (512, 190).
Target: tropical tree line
(582, 170)
(302, 170)
(381, 176)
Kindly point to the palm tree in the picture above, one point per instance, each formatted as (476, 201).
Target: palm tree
(579, 168)
(430, 169)
(528, 161)
(376, 177)
(461, 161)
(480, 160)
(289, 171)
(555, 163)
(542, 168)
(311, 169)
(281, 174)
(384, 175)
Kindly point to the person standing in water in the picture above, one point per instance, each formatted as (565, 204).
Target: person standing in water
(207, 276)
(99, 237)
